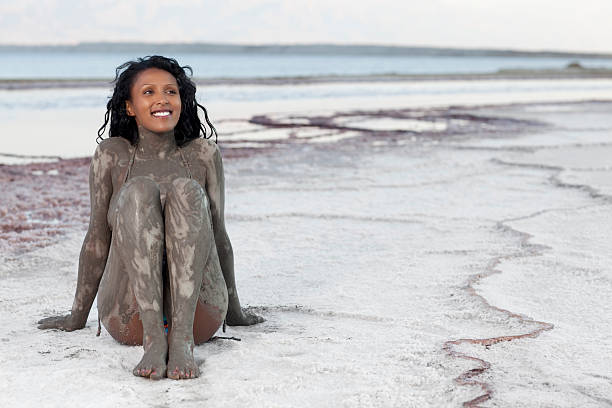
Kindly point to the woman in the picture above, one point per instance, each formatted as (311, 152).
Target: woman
(156, 247)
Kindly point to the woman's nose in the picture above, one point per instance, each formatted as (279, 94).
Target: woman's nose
(163, 98)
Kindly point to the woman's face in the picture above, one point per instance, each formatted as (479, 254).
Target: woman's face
(154, 101)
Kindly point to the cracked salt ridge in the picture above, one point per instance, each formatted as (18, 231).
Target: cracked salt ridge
(380, 298)
(565, 280)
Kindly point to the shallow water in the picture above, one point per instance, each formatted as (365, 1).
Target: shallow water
(37, 64)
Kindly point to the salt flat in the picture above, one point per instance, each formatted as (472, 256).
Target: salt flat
(361, 255)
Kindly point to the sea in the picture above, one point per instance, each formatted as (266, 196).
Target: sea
(36, 65)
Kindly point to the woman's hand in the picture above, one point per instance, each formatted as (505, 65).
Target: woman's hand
(243, 317)
(66, 323)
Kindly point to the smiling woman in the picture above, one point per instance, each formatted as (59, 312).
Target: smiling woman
(156, 248)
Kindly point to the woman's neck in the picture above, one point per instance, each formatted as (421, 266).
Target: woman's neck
(151, 144)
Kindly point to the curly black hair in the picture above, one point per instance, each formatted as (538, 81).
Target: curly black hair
(189, 125)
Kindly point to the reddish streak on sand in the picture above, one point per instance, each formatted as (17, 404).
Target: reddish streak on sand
(40, 202)
(466, 378)
(476, 122)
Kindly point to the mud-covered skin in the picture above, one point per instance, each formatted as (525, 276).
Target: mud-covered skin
(137, 241)
(158, 207)
(189, 240)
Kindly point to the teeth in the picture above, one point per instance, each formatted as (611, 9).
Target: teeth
(164, 113)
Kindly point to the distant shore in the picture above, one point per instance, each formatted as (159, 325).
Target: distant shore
(505, 74)
(291, 49)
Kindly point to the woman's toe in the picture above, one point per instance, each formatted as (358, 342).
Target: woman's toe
(156, 375)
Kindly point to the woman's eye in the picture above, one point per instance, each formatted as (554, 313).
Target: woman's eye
(148, 91)
(172, 92)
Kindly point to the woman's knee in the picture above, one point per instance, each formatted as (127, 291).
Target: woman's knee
(137, 193)
(186, 190)
(140, 188)
(139, 199)
(186, 209)
(187, 195)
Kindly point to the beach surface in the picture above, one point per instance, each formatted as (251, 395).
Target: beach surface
(435, 251)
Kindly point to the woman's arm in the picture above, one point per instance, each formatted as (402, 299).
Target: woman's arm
(94, 251)
(215, 189)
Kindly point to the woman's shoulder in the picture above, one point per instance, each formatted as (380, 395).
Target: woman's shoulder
(114, 147)
(202, 149)
(109, 153)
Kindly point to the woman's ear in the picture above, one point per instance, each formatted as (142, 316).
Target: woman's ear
(129, 108)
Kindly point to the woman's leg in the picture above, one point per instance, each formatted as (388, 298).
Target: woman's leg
(138, 234)
(211, 306)
(118, 306)
(189, 240)
(212, 303)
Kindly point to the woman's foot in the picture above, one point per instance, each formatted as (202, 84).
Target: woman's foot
(181, 364)
(242, 317)
(153, 362)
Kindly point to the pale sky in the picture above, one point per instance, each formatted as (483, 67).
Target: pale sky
(568, 25)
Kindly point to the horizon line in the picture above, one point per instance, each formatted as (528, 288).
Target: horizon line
(298, 45)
